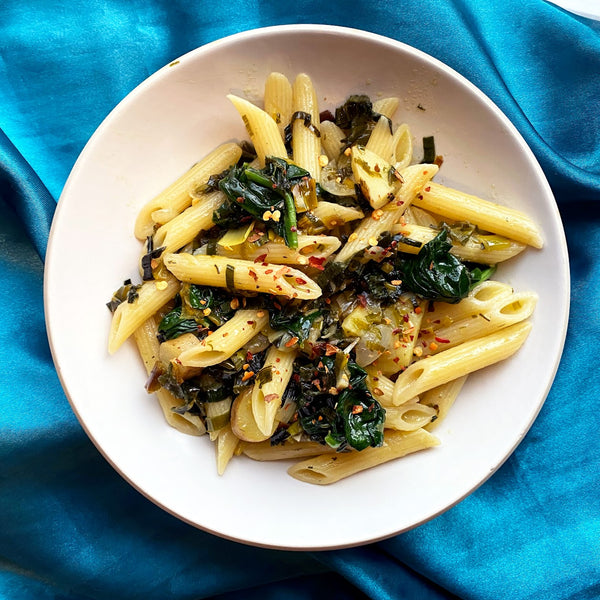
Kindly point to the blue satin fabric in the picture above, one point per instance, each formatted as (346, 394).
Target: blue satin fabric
(71, 528)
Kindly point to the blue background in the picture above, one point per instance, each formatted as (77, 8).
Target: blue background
(72, 529)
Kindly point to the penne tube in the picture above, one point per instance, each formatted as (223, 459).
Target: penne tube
(148, 347)
(309, 246)
(380, 140)
(487, 215)
(380, 386)
(178, 196)
(386, 106)
(484, 249)
(278, 100)
(332, 139)
(409, 416)
(182, 229)
(498, 314)
(226, 445)
(458, 361)
(414, 178)
(267, 395)
(243, 422)
(442, 314)
(262, 129)
(402, 147)
(226, 340)
(327, 468)
(442, 398)
(306, 142)
(152, 296)
(289, 450)
(332, 215)
(236, 274)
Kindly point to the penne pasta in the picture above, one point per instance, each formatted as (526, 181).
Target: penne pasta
(414, 179)
(479, 248)
(270, 386)
(487, 215)
(178, 196)
(148, 347)
(278, 100)
(461, 360)
(152, 296)
(238, 274)
(327, 468)
(228, 338)
(290, 450)
(442, 398)
(306, 142)
(262, 129)
(309, 246)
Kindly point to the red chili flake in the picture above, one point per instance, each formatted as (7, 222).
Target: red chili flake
(240, 199)
(362, 299)
(397, 359)
(278, 359)
(271, 397)
(428, 188)
(268, 271)
(327, 300)
(316, 383)
(300, 281)
(418, 310)
(256, 235)
(405, 318)
(330, 349)
(357, 409)
(277, 305)
(260, 258)
(296, 377)
(442, 340)
(317, 262)
(250, 322)
(253, 274)
(397, 331)
(291, 342)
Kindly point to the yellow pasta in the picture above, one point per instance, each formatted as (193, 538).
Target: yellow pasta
(178, 196)
(306, 143)
(458, 361)
(278, 100)
(328, 468)
(244, 275)
(223, 342)
(262, 129)
(267, 395)
(152, 296)
(487, 215)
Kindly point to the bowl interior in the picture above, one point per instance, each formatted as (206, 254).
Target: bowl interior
(162, 128)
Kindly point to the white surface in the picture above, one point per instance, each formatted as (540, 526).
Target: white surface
(156, 133)
(584, 8)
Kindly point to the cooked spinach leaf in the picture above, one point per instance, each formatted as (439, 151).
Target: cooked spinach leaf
(356, 117)
(351, 418)
(436, 274)
(264, 194)
(297, 325)
(173, 325)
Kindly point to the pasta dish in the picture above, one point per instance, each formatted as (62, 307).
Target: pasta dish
(313, 295)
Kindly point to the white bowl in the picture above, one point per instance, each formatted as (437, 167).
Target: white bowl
(165, 125)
